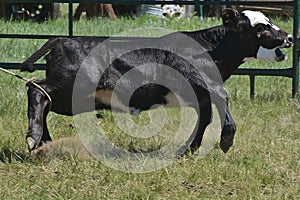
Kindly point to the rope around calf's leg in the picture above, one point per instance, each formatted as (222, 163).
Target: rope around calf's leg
(28, 82)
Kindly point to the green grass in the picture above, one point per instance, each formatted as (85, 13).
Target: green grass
(264, 162)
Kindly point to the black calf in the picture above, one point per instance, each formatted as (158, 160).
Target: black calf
(241, 37)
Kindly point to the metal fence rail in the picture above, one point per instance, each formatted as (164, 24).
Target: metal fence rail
(290, 72)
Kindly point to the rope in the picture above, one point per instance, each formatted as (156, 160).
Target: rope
(31, 81)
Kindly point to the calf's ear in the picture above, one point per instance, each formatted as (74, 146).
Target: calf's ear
(229, 17)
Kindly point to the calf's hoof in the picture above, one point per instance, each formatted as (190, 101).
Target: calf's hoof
(44, 148)
(227, 137)
(31, 143)
(226, 143)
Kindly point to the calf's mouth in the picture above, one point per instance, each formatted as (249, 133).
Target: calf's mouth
(288, 42)
(280, 56)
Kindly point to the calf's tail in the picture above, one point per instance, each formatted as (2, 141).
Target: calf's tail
(27, 65)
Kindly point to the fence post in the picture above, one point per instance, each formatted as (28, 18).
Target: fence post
(201, 11)
(71, 19)
(296, 49)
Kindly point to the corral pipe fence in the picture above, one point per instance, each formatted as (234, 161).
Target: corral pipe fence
(290, 72)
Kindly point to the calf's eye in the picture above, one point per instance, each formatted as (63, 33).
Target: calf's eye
(260, 28)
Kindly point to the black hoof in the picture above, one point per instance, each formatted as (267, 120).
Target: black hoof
(31, 143)
(227, 137)
(226, 143)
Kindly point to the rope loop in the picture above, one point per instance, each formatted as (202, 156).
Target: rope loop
(32, 82)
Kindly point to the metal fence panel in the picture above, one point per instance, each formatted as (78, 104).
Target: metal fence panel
(291, 72)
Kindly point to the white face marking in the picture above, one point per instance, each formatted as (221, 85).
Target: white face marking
(256, 17)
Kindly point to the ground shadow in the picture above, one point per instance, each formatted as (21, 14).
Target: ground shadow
(7, 155)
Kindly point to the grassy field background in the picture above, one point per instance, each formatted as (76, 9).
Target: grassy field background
(264, 162)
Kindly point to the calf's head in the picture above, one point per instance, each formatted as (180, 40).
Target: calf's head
(262, 38)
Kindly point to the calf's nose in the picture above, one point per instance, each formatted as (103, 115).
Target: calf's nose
(290, 39)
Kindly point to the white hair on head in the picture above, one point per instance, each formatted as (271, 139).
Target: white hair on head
(257, 17)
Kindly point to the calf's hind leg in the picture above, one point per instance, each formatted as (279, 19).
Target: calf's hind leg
(38, 108)
(204, 119)
(228, 130)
